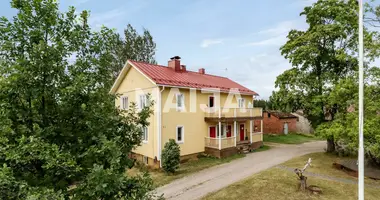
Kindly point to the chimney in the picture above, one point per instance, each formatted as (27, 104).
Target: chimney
(201, 70)
(175, 63)
(183, 68)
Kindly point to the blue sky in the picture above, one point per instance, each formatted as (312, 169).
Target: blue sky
(239, 39)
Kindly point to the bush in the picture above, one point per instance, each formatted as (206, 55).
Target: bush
(170, 156)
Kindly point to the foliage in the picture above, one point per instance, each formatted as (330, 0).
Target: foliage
(344, 127)
(292, 138)
(133, 46)
(261, 103)
(171, 156)
(321, 55)
(60, 133)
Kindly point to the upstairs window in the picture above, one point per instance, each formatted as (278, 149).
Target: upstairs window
(241, 103)
(124, 103)
(211, 101)
(180, 134)
(180, 101)
(143, 101)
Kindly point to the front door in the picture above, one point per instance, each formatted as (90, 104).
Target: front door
(241, 132)
(229, 130)
(212, 131)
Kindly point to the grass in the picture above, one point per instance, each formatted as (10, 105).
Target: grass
(292, 138)
(161, 178)
(280, 184)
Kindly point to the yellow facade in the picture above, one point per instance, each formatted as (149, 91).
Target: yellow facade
(132, 86)
(191, 118)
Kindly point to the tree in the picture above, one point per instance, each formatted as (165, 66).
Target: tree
(61, 136)
(321, 56)
(133, 46)
(171, 156)
(344, 127)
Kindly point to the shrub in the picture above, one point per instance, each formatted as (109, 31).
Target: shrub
(170, 156)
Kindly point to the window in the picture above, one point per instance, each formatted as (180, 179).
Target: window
(144, 134)
(124, 103)
(143, 101)
(211, 101)
(180, 101)
(268, 115)
(145, 160)
(224, 130)
(180, 134)
(241, 103)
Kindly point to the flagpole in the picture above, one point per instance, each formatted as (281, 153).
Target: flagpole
(361, 88)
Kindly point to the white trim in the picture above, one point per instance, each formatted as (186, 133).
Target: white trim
(145, 141)
(123, 73)
(122, 103)
(209, 101)
(182, 134)
(159, 124)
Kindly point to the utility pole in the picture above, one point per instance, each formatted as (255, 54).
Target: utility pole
(361, 97)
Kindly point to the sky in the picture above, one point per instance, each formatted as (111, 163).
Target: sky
(238, 39)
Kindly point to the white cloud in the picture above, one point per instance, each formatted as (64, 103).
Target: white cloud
(208, 42)
(274, 41)
(281, 28)
(107, 18)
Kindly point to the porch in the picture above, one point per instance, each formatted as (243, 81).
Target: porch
(234, 130)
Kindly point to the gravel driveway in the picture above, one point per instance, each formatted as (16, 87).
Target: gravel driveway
(197, 185)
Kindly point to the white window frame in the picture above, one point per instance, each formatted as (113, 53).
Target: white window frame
(182, 107)
(143, 101)
(122, 106)
(145, 134)
(241, 103)
(224, 130)
(213, 97)
(182, 134)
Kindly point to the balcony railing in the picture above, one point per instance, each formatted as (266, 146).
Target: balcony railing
(224, 112)
(226, 142)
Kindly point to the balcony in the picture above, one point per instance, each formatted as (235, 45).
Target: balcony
(223, 114)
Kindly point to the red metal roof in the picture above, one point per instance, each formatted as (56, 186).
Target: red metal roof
(163, 75)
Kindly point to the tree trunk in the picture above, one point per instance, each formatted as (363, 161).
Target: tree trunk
(330, 145)
(303, 185)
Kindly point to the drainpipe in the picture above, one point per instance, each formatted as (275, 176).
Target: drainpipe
(220, 130)
(159, 126)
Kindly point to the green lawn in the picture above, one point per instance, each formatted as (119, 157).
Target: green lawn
(262, 148)
(281, 184)
(161, 178)
(292, 138)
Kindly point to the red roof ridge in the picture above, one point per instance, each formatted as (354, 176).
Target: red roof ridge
(178, 72)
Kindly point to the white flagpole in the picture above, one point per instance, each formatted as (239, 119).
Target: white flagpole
(361, 88)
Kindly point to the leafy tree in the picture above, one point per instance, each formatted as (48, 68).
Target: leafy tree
(344, 127)
(321, 56)
(171, 156)
(261, 103)
(133, 46)
(61, 136)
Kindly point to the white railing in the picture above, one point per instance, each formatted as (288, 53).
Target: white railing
(212, 142)
(217, 112)
(225, 142)
(228, 142)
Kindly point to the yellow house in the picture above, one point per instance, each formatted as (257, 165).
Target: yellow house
(202, 112)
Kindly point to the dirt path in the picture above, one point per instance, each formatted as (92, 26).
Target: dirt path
(212, 179)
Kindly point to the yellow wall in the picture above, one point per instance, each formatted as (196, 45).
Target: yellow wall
(192, 118)
(195, 127)
(134, 84)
